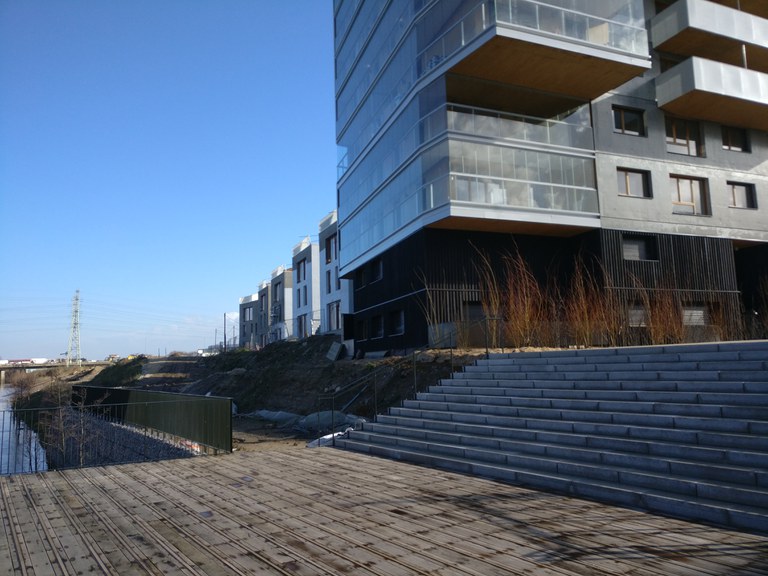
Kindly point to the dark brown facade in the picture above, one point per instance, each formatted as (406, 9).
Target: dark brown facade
(418, 292)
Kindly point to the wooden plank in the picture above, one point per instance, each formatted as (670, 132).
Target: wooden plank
(331, 512)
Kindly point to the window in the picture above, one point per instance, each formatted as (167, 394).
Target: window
(276, 289)
(327, 281)
(683, 137)
(377, 270)
(360, 333)
(636, 316)
(690, 196)
(742, 195)
(639, 247)
(304, 289)
(633, 183)
(397, 322)
(377, 327)
(298, 296)
(735, 139)
(628, 121)
(330, 249)
(301, 270)
(338, 280)
(334, 315)
(695, 315)
(359, 278)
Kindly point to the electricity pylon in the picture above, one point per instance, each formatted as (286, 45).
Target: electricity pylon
(74, 333)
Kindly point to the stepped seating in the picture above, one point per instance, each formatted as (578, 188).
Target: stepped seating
(678, 430)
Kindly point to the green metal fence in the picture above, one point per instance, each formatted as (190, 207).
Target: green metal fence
(202, 420)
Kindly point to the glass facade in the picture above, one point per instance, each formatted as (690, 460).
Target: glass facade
(406, 149)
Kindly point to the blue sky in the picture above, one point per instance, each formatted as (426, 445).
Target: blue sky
(160, 156)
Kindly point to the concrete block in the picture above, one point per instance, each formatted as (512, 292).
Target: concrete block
(684, 508)
(658, 482)
(744, 375)
(695, 410)
(737, 441)
(577, 470)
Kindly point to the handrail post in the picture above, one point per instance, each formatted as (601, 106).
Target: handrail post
(333, 421)
(415, 391)
(375, 398)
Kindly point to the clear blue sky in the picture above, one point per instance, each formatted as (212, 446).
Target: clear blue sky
(160, 156)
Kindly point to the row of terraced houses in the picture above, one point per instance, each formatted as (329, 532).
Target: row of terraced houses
(631, 134)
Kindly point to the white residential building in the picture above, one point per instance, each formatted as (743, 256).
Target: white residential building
(306, 283)
(281, 305)
(334, 291)
(248, 321)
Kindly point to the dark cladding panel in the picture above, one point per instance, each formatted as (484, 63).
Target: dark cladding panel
(665, 261)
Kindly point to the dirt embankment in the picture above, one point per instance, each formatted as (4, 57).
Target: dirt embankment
(295, 377)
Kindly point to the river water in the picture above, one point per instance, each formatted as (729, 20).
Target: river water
(20, 451)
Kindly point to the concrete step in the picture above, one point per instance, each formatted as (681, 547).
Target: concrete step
(621, 373)
(733, 514)
(683, 351)
(488, 437)
(572, 411)
(724, 386)
(606, 357)
(566, 420)
(715, 440)
(742, 411)
(738, 398)
(679, 476)
(681, 430)
(675, 397)
(497, 365)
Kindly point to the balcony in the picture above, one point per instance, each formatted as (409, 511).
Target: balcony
(709, 30)
(756, 7)
(556, 50)
(707, 90)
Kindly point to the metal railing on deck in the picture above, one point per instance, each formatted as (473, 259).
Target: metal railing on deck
(99, 428)
(203, 420)
(346, 396)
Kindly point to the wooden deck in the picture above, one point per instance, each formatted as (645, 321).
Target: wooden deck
(325, 511)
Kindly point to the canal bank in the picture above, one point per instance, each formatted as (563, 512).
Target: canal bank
(20, 449)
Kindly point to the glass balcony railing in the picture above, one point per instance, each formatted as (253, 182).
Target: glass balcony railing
(517, 127)
(521, 194)
(618, 25)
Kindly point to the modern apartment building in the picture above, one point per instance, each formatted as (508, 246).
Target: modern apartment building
(263, 310)
(306, 282)
(248, 321)
(281, 304)
(629, 134)
(334, 291)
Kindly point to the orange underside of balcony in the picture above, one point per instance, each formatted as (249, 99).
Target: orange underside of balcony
(720, 108)
(509, 226)
(756, 7)
(697, 42)
(546, 68)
